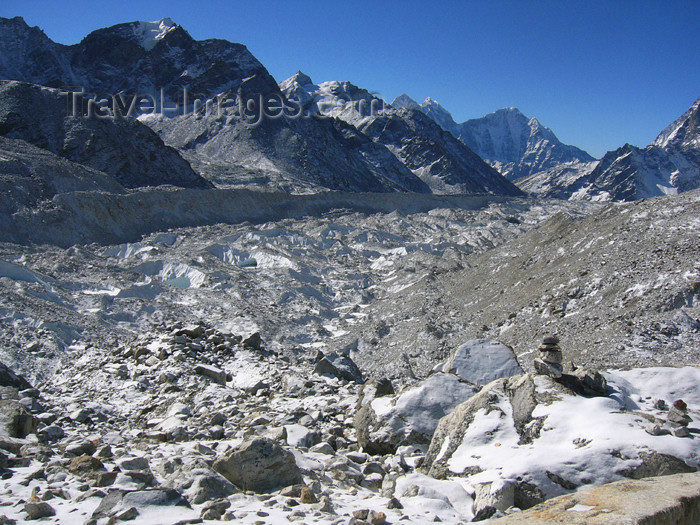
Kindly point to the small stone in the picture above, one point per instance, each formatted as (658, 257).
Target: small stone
(306, 496)
(552, 357)
(127, 515)
(360, 514)
(37, 511)
(84, 464)
(376, 517)
(680, 405)
(218, 375)
(105, 479)
(660, 404)
(211, 514)
(133, 463)
(547, 369)
(550, 340)
(394, 503)
(681, 432)
(653, 430)
(254, 342)
(678, 417)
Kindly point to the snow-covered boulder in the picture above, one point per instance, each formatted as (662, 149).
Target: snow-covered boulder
(482, 361)
(557, 440)
(411, 417)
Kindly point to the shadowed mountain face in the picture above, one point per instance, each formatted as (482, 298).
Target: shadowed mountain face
(133, 57)
(433, 155)
(122, 148)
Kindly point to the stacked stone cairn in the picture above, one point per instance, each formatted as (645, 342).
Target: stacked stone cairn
(679, 419)
(549, 362)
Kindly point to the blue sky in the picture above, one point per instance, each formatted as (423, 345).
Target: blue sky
(599, 73)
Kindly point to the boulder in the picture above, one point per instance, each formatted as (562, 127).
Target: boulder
(657, 464)
(259, 465)
(15, 420)
(38, 510)
(411, 417)
(651, 501)
(254, 342)
(481, 361)
(9, 378)
(340, 366)
(372, 389)
(589, 382)
(218, 375)
(120, 501)
(208, 486)
(548, 369)
(512, 399)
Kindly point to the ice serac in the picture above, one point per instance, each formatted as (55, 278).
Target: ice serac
(667, 166)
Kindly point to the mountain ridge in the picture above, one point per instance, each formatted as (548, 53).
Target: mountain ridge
(517, 146)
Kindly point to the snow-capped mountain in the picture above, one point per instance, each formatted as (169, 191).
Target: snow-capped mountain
(435, 156)
(669, 165)
(298, 155)
(514, 144)
(133, 57)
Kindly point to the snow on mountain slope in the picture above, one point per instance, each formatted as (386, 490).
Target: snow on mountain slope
(667, 166)
(559, 182)
(149, 33)
(684, 132)
(433, 155)
(517, 146)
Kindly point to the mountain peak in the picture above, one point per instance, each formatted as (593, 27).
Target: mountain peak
(684, 131)
(149, 33)
(302, 78)
(404, 101)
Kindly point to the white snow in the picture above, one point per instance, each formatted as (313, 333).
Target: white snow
(149, 33)
(580, 433)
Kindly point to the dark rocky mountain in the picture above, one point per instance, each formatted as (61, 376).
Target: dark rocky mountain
(132, 57)
(436, 157)
(123, 148)
(517, 146)
(669, 165)
(29, 175)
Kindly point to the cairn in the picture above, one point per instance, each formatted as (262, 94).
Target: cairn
(549, 362)
(679, 419)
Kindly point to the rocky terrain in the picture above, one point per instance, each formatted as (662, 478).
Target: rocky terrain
(195, 329)
(208, 373)
(620, 288)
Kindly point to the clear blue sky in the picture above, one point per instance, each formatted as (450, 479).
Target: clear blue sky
(599, 73)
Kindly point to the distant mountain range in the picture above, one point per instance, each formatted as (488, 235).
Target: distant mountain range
(347, 139)
(669, 165)
(508, 140)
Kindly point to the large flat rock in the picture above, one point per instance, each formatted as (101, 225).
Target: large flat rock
(651, 501)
